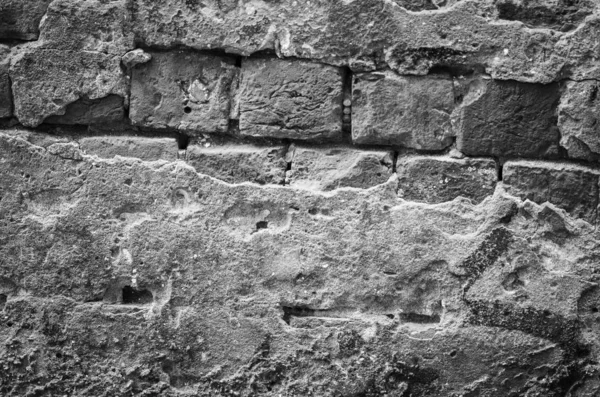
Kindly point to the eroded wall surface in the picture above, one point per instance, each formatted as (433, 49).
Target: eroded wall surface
(299, 198)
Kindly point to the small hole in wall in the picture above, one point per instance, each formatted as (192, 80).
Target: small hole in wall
(390, 316)
(594, 309)
(453, 353)
(3, 299)
(262, 225)
(135, 296)
(187, 109)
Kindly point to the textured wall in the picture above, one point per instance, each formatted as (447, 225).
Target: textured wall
(299, 198)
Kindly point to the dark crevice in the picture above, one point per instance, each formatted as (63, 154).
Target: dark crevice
(296, 311)
(183, 141)
(419, 318)
(134, 296)
(499, 168)
(3, 299)
(347, 100)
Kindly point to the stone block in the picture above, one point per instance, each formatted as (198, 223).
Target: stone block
(45, 82)
(408, 111)
(85, 112)
(20, 19)
(87, 25)
(508, 119)
(239, 163)
(571, 187)
(183, 90)
(578, 119)
(290, 99)
(6, 107)
(437, 179)
(329, 168)
(147, 149)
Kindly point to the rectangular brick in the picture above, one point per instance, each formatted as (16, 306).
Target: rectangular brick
(437, 179)
(239, 163)
(328, 168)
(508, 119)
(183, 90)
(290, 99)
(571, 187)
(409, 111)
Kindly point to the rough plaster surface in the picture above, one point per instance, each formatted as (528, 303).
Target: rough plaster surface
(299, 198)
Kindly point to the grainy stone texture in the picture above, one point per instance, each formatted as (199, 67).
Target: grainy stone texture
(571, 187)
(183, 90)
(406, 111)
(240, 163)
(329, 168)
(290, 99)
(147, 149)
(438, 179)
(19, 19)
(169, 277)
(173, 223)
(85, 112)
(509, 119)
(6, 105)
(45, 82)
(578, 114)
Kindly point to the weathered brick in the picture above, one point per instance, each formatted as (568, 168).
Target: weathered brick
(571, 187)
(45, 81)
(328, 168)
(578, 119)
(148, 149)
(436, 179)
(19, 19)
(183, 90)
(290, 99)
(239, 163)
(408, 111)
(97, 111)
(508, 119)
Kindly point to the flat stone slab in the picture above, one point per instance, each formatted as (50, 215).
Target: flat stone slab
(183, 90)
(20, 19)
(570, 187)
(292, 99)
(329, 168)
(437, 179)
(147, 149)
(239, 163)
(508, 119)
(408, 111)
(579, 119)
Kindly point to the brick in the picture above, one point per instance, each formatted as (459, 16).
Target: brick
(571, 187)
(579, 119)
(290, 99)
(46, 81)
(239, 163)
(328, 168)
(148, 149)
(408, 111)
(437, 179)
(86, 111)
(183, 90)
(19, 19)
(508, 119)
